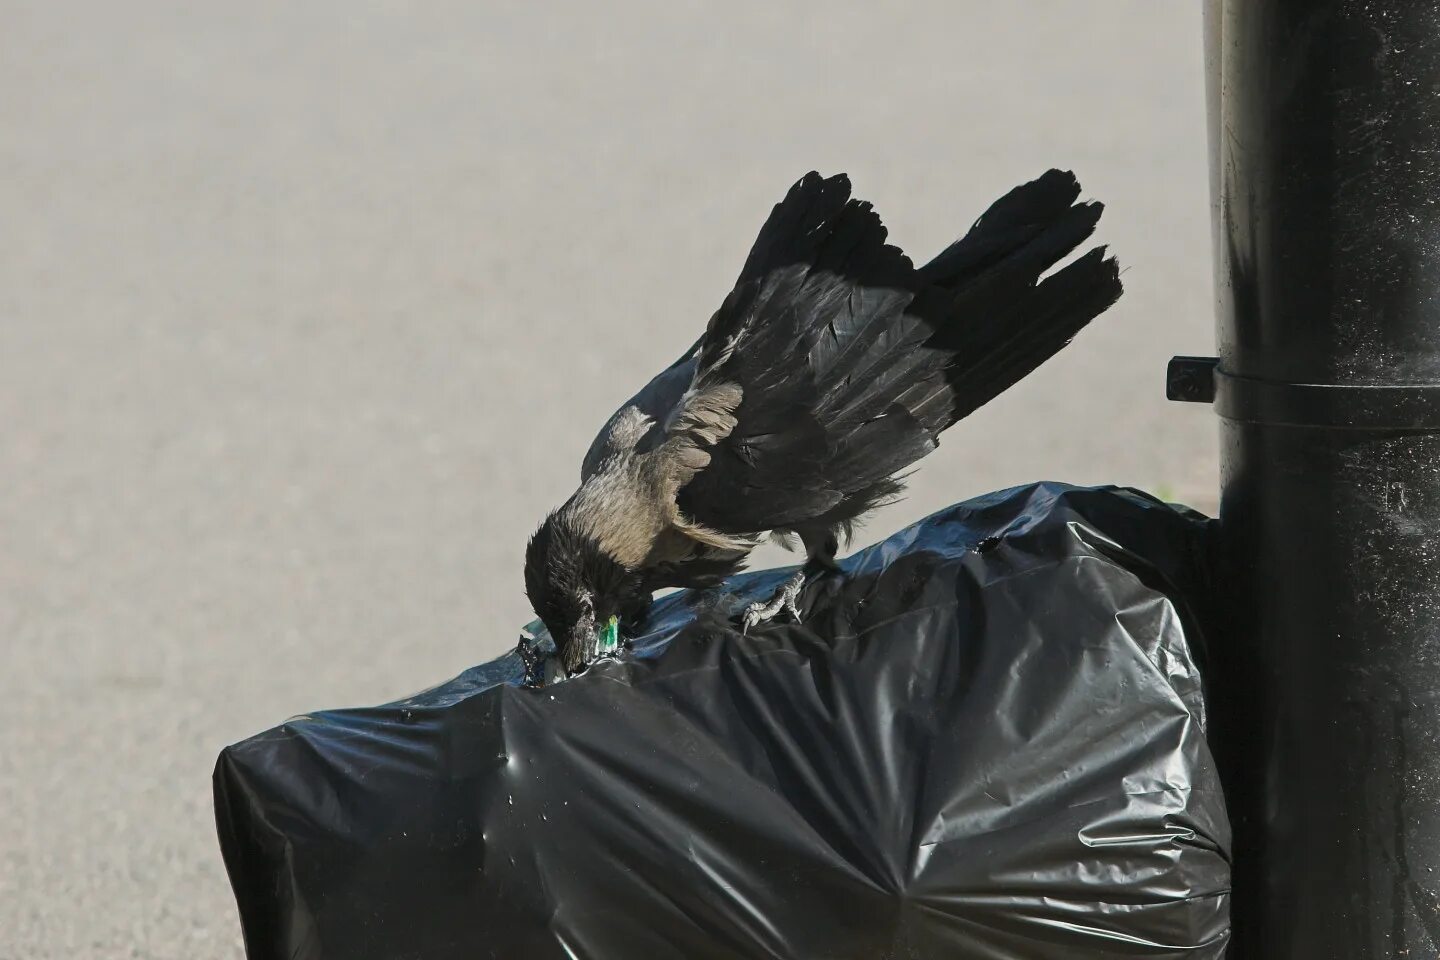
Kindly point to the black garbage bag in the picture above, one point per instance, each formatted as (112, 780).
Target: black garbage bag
(985, 741)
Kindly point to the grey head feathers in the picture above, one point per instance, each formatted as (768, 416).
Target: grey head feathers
(573, 584)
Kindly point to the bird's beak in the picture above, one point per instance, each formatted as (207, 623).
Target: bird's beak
(580, 650)
(588, 643)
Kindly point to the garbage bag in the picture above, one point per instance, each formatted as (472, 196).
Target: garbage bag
(985, 739)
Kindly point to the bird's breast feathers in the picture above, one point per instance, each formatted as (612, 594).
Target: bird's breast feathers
(628, 505)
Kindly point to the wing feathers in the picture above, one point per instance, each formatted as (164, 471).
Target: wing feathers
(851, 362)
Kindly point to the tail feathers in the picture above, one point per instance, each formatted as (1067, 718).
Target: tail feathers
(1009, 224)
(959, 345)
(1015, 333)
(852, 362)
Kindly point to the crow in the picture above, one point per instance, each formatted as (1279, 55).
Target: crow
(832, 366)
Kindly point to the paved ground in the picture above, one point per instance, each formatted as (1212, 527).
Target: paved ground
(307, 312)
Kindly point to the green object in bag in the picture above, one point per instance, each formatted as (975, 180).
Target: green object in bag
(609, 636)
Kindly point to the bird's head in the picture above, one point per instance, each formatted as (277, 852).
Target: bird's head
(576, 587)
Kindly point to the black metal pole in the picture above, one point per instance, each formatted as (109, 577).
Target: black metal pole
(1325, 135)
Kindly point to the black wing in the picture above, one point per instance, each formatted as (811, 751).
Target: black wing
(852, 362)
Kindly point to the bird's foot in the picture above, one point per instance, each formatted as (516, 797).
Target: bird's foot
(784, 599)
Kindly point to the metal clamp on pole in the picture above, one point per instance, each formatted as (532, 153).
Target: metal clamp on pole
(1353, 406)
(1191, 379)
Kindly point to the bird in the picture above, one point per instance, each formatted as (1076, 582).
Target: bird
(830, 368)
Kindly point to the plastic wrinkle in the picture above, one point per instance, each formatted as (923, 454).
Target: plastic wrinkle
(984, 740)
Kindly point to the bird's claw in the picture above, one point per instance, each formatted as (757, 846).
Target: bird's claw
(784, 599)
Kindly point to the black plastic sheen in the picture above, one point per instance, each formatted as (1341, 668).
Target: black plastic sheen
(986, 741)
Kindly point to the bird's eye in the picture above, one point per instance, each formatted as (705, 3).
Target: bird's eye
(608, 636)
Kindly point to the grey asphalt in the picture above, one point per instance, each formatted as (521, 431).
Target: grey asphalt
(308, 311)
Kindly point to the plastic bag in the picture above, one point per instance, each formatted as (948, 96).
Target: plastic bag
(986, 740)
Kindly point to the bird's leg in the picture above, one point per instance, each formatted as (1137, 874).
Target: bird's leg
(784, 599)
(821, 545)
